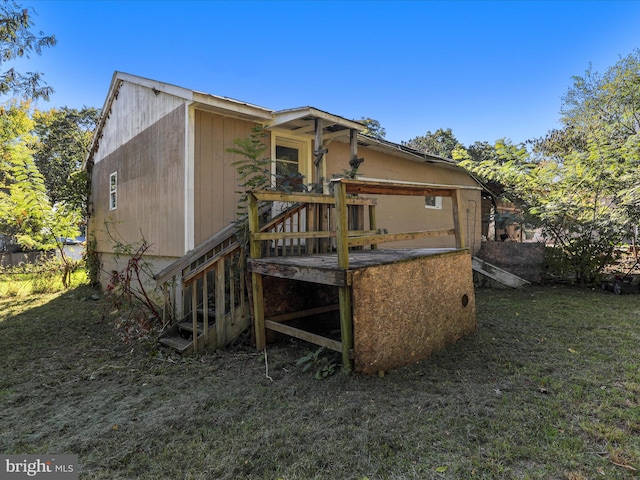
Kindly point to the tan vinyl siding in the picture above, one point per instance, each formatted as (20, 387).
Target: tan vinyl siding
(402, 214)
(150, 189)
(216, 183)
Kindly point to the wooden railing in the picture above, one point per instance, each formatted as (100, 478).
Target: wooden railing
(308, 226)
(209, 282)
(343, 233)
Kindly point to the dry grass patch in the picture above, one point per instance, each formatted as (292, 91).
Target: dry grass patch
(549, 387)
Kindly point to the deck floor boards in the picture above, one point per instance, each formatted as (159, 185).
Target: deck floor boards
(323, 268)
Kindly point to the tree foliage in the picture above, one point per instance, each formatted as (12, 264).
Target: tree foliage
(580, 182)
(373, 128)
(63, 137)
(441, 143)
(18, 41)
(26, 212)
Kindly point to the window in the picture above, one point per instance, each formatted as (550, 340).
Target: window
(433, 202)
(113, 191)
(287, 163)
(291, 157)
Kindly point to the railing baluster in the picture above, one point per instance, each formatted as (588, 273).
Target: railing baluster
(221, 328)
(205, 309)
(232, 291)
(194, 313)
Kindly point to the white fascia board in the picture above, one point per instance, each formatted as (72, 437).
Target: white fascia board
(232, 107)
(156, 85)
(282, 117)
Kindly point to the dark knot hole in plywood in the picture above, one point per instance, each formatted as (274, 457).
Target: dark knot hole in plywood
(465, 300)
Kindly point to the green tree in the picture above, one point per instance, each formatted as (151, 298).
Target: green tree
(26, 211)
(480, 151)
(373, 128)
(441, 143)
(63, 137)
(18, 41)
(580, 182)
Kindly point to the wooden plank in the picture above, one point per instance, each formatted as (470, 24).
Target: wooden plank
(183, 262)
(284, 317)
(408, 190)
(372, 223)
(397, 237)
(254, 225)
(324, 276)
(258, 310)
(303, 335)
(342, 225)
(346, 326)
(456, 201)
(344, 293)
(317, 146)
(205, 311)
(275, 196)
(194, 313)
(221, 324)
(290, 235)
(210, 264)
(180, 344)
(497, 274)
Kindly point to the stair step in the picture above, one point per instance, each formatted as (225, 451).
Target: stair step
(177, 343)
(188, 326)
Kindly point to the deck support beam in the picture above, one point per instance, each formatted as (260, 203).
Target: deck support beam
(256, 278)
(344, 293)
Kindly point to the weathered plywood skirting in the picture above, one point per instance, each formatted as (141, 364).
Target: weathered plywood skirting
(405, 311)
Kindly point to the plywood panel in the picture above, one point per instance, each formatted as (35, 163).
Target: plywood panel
(404, 312)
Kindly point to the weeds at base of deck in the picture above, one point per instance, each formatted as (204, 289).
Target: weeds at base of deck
(549, 387)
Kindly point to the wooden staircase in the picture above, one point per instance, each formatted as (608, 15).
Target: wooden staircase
(205, 295)
(215, 271)
(180, 336)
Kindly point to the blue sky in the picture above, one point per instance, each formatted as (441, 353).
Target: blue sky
(486, 70)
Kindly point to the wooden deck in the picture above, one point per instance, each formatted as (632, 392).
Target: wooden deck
(358, 267)
(324, 268)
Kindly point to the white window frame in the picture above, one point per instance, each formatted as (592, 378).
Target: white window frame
(438, 203)
(113, 191)
(304, 159)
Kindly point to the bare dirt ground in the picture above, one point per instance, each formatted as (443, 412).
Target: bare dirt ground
(549, 387)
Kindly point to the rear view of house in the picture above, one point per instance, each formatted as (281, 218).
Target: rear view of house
(160, 170)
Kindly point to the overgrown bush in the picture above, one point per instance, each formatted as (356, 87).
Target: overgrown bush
(135, 305)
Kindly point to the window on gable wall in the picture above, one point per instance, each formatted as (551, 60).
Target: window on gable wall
(113, 191)
(433, 202)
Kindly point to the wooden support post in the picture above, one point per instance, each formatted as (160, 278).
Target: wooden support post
(256, 278)
(205, 310)
(165, 298)
(194, 313)
(372, 223)
(317, 149)
(221, 326)
(258, 311)
(456, 201)
(344, 293)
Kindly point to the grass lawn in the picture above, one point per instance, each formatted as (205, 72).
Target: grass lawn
(549, 388)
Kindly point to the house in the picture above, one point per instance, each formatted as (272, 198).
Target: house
(160, 169)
